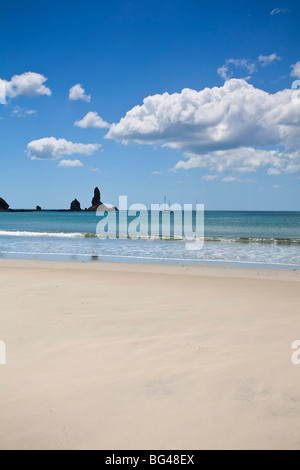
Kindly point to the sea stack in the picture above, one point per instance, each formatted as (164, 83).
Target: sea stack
(97, 205)
(75, 206)
(3, 205)
(96, 201)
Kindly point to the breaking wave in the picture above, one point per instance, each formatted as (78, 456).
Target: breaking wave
(245, 240)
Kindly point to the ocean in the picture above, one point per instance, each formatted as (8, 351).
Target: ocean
(270, 239)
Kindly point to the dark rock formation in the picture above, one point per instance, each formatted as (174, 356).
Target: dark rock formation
(38, 208)
(3, 205)
(96, 201)
(97, 205)
(75, 206)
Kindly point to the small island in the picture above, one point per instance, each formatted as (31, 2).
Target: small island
(75, 206)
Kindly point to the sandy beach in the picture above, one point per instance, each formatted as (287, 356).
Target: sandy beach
(120, 356)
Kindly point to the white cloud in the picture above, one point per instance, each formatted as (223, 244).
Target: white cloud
(296, 70)
(77, 92)
(70, 163)
(273, 172)
(230, 179)
(277, 11)
(223, 72)
(268, 59)
(245, 64)
(27, 84)
(231, 66)
(209, 177)
(91, 119)
(22, 112)
(237, 179)
(220, 128)
(51, 148)
(241, 160)
(156, 172)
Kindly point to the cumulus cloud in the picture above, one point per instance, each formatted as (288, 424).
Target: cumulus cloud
(241, 160)
(268, 59)
(226, 71)
(220, 128)
(50, 148)
(70, 163)
(296, 70)
(77, 92)
(277, 11)
(91, 119)
(156, 172)
(22, 112)
(27, 84)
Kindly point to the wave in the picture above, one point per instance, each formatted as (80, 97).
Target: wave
(255, 240)
(240, 240)
(41, 234)
(98, 257)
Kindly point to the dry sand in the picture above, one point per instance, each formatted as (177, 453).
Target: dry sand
(110, 356)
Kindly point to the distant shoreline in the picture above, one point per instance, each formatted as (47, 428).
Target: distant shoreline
(75, 206)
(209, 210)
(43, 210)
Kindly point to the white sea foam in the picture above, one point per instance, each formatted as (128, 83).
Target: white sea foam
(154, 259)
(41, 234)
(239, 240)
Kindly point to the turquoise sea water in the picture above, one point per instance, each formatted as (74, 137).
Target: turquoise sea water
(252, 238)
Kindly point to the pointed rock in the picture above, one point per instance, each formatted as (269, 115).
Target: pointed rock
(3, 205)
(97, 198)
(75, 206)
(97, 205)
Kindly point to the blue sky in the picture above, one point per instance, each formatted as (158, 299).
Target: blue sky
(233, 146)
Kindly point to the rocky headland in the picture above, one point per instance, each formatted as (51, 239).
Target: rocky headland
(75, 206)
